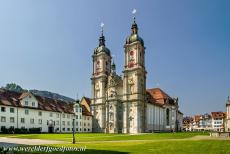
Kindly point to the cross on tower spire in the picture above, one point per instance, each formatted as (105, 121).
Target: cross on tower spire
(134, 25)
(102, 38)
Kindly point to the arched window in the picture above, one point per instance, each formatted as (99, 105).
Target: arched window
(167, 117)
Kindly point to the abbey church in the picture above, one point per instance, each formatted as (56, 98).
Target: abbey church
(122, 104)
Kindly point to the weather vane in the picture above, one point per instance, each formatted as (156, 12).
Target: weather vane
(102, 27)
(134, 14)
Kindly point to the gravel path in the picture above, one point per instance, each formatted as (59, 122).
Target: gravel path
(5, 140)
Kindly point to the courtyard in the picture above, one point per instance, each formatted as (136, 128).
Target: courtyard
(185, 142)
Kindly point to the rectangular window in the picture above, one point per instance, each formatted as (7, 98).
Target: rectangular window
(11, 119)
(63, 123)
(63, 116)
(68, 123)
(3, 109)
(57, 122)
(76, 116)
(11, 110)
(22, 120)
(57, 115)
(3, 119)
(26, 111)
(3, 128)
(51, 114)
(63, 129)
(39, 121)
(40, 113)
(68, 116)
(88, 118)
(26, 103)
(33, 104)
(31, 121)
(68, 129)
(80, 116)
(76, 123)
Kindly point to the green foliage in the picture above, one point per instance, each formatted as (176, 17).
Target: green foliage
(14, 87)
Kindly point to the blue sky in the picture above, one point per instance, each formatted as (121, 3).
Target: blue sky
(47, 45)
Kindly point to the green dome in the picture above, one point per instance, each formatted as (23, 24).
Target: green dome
(100, 49)
(134, 38)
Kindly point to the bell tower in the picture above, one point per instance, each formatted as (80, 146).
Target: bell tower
(101, 70)
(134, 83)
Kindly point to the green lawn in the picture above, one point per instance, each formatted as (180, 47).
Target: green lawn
(144, 143)
(84, 137)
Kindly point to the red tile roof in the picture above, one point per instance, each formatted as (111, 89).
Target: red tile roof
(158, 97)
(218, 115)
(197, 118)
(86, 111)
(23, 95)
(10, 98)
(88, 100)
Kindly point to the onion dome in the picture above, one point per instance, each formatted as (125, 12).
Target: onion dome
(134, 37)
(102, 48)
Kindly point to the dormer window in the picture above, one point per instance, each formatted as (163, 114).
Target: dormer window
(26, 103)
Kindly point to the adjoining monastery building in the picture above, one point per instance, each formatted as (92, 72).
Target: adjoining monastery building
(123, 104)
(25, 110)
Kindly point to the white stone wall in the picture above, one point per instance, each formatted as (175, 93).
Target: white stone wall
(180, 121)
(78, 118)
(155, 118)
(33, 119)
(86, 123)
(217, 124)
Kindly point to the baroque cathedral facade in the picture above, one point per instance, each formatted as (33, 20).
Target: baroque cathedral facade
(122, 104)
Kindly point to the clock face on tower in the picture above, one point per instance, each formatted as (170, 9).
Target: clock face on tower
(131, 58)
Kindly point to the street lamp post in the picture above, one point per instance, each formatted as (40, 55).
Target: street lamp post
(74, 140)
